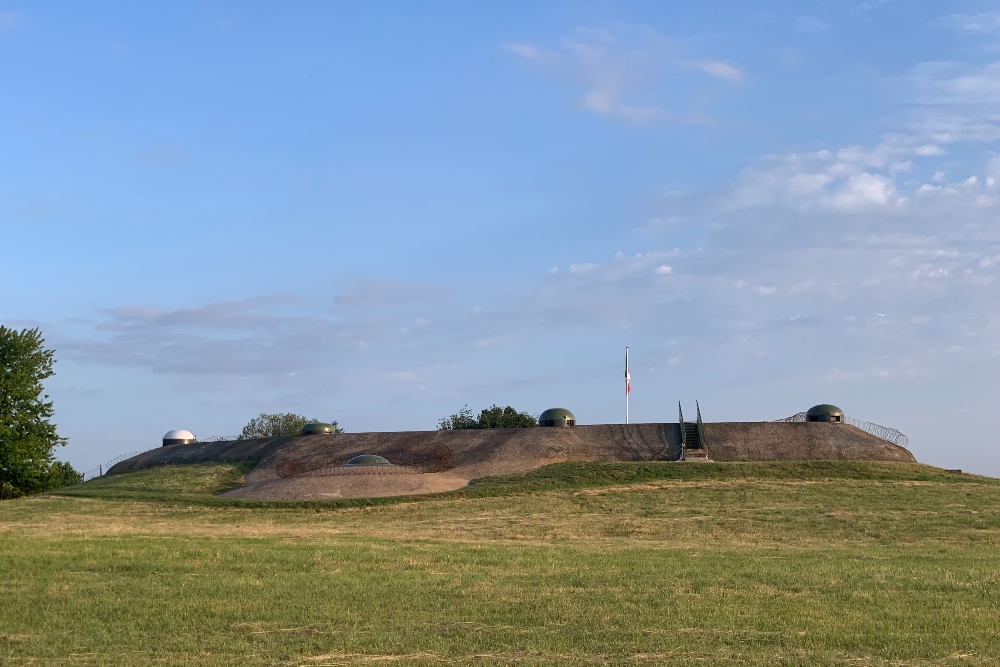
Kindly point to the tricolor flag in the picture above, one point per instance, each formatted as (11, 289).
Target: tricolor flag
(628, 378)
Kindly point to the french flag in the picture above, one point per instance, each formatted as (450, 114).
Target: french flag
(628, 378)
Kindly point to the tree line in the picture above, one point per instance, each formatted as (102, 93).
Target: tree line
(28, 438)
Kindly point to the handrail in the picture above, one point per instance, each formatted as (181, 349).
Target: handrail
(701, 429)
(680, 418)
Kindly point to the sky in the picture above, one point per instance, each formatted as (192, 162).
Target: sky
(380, 212)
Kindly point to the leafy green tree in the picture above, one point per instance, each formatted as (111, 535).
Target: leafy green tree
(491, 417)
(62, 474)
(27, 437)
(497, 417)
(460, 420)
(278, 424)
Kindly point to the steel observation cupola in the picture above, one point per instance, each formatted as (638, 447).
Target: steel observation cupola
(179, 437)
(825, 413)
(557, 417)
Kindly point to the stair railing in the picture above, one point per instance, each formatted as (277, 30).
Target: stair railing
(701, 429)
(680, 418)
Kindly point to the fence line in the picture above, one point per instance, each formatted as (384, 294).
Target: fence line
(871, 428)
(879, 431)
(101, 469)
(797, 417)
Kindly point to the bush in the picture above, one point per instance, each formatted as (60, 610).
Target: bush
(278, 425)
(491, 417)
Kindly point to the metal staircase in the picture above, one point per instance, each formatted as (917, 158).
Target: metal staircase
(692, 437)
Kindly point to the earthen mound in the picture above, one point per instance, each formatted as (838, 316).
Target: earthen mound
(308, 467)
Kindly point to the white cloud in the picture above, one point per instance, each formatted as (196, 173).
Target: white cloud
(622, 71)
(716, 68)
(864, 190)
(955, 84)
(985, 22)
(525, 50)
(582, 268)
(605, 103)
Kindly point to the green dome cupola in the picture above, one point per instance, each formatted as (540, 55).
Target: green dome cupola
(557, 417)
(825, 413)
(368, 460)
(316, 428)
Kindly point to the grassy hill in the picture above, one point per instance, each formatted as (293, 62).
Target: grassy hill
(813, 563)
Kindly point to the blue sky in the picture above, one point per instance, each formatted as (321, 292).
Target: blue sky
(379, 212)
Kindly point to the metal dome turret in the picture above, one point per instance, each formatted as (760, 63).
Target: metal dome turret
(179, 437)
(315, 428)
(825, 413)
(368, 460)
(557, 417)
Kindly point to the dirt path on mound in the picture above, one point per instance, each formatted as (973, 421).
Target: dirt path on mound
(358, 484)
(373, 482)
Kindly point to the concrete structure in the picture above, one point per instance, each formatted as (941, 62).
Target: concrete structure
(825, 413)
(368, 460)
(502, 451)
(316, 428)
(290, 468)
(179, 437)
(556, 417)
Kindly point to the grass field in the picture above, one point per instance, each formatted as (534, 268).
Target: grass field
(637, 564)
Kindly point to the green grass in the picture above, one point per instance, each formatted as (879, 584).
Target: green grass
(699, 564)
(179, 484)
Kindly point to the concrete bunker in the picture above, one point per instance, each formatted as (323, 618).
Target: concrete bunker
(557, 417)
(179, 437)
(316, 428)
(825, 413)
(367, 460)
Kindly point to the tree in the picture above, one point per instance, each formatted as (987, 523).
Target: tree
(27, 437)
(497, 417)
(278, 424)
(491, 417)
(460, 420)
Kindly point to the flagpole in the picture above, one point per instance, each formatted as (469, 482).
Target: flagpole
(628, 387)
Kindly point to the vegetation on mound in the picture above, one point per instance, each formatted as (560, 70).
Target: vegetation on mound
(491, 417)
(192, 483)
(200, 484)
(279, 425)
(786, 564)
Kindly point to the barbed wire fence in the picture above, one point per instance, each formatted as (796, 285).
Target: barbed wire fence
(879, 431)
(101, 470)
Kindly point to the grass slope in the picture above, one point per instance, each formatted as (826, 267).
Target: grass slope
(709, 564)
